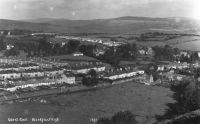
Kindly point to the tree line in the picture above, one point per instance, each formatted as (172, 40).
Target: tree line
(114, 55)
(171, 54)
(43, 47)
(187, 96)
(122, 117)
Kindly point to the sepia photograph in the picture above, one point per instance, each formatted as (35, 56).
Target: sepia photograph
(99, 62)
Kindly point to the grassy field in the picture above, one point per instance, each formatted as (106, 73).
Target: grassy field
(127, 62)
(144, 101)
(140, 99)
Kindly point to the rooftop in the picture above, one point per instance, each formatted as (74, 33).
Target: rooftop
(8, 72)
(120, 70)
(17, 65)
(33, 70)
(53, 69)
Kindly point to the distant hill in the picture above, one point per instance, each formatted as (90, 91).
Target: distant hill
(127, 24)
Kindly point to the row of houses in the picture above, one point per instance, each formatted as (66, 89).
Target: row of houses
(31, 73)
(16, 73)
(120, 73)
(19, 67)
(33, 85)
(43, 34)
(99, 41)
(85, 68)
(172, 65)
(65, 78)
(9, 60)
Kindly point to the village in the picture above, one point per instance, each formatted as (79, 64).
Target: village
(81, 68)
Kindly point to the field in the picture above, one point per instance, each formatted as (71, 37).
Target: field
(127, 62)
(18, 39)
(192, 45)
(182, 39)
(144, 101)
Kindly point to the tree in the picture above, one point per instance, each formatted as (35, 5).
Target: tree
(12, 52)
(194, 57)
(164, 53)
(87, 49)
(134, 49)
(113, 60)
(64, 49)
(122, 117)
(92, 73)
(56, 50)
(90, 79)
(197, 73)
(110, 57)
(2, 44)
(176, 51)
(104, 121)
(113, 39)
(127, 50)
(184, 58)
(72, 46)
(124, 51)
(125, 117)
(44, 47)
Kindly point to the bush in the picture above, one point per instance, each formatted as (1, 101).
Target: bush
(122, 117)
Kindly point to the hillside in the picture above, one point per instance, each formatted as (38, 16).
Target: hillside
(13, 24)
(127, 24)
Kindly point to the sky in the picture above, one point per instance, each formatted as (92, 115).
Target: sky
(97, 9)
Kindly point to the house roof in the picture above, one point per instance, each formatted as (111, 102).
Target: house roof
(8, 72)
(53, 69)
(32, 81)
(17, 65)
(33, 70)
(118, 71)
